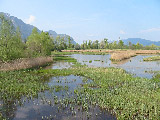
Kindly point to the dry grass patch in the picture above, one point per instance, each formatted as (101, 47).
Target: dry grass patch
(122, 55)
(25, 63)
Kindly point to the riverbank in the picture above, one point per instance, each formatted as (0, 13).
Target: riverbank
(25, 63)
(115, 50)
(116, 55)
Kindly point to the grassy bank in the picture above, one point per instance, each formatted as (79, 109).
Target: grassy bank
(154, 58)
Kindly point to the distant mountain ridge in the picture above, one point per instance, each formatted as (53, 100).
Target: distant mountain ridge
(26, 29)
(141, 41)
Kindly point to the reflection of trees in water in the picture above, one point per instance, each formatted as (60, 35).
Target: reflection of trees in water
(121, 62)
(8, 109)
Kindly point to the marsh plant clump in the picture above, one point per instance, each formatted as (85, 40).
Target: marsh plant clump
(153, 58)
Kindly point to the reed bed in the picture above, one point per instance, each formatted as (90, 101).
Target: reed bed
(25, 63)
(147, 51)
(115, 51)
(122, 55)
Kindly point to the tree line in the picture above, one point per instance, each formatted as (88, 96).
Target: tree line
(37, 44)
(105, 44)
(41, 43)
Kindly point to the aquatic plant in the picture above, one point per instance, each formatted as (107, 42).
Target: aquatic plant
(113, 89)
(153, 58)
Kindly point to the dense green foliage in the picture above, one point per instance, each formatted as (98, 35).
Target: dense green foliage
(39, 44)
(104, 44)
(11, 46)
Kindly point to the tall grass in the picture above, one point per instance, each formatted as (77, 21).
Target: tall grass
(122, 55)
(25, 63)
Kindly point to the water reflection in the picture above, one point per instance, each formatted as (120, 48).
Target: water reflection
(134, 65)
(53, 104)
(59, 65)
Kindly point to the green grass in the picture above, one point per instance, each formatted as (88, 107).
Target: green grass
(85, 53)
(62, 53)
(94, 53)
(154, 58)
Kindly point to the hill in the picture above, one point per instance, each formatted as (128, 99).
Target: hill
(26, 29)
(141, 41)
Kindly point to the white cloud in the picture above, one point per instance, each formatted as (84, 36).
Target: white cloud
(150, 30)
(31, 19)
(122, 32)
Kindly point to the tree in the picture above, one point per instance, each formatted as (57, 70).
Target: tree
(39, 44)
(11, 46)
(90, 44)
(77, 46)
(106, 43)
(69, 42)
(120, 44)
(96, 44)
(102, 44)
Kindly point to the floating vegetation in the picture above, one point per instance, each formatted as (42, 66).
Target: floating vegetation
(102, 93)
(153, 58)
(97, 60)
(90, 61)
(117, 91)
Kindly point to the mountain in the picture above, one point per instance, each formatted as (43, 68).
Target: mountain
(54, 35)
(141, 41)
(26, 29)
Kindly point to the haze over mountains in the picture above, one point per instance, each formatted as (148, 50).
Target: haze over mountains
(141, 41)
(26, 29)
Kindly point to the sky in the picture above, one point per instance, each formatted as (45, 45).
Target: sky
(90, 19)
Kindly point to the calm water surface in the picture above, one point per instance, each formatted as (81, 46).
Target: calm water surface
(45, 105)
(134, 65)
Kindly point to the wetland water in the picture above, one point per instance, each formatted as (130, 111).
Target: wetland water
(134, 65)
(53, 104)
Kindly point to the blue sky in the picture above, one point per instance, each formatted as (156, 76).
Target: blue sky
(90, 19)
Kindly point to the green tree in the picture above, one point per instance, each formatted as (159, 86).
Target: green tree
(120, 44)
(11, 46)
(102, 44)
(39, 44)
(77, 46)
(90, 44)
(106, 43)
(69, 42)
